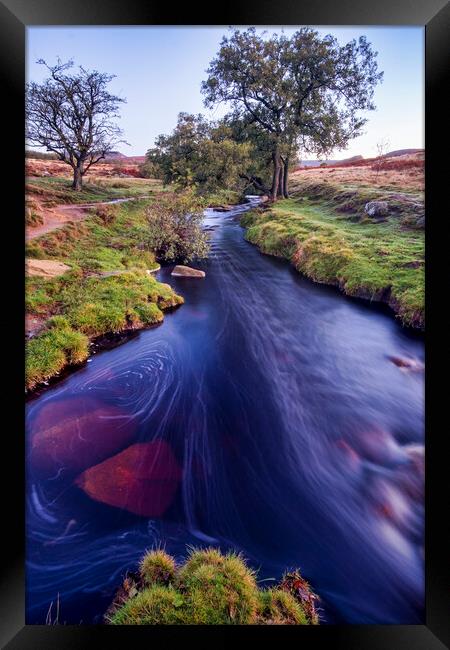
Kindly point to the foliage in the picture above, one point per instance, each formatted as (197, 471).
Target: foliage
(302, 91)
(72, 115)
(175, 228)
(208, 589)
(200, 155)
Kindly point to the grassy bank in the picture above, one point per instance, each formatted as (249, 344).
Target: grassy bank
(208, 589)
(326, 234)
(106, 290)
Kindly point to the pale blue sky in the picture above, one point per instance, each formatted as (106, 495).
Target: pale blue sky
(160, 69)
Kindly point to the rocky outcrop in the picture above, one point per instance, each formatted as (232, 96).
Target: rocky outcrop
(376, 209)
(181, 271)
(45, 268)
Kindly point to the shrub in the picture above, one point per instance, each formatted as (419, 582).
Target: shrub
(175, 228)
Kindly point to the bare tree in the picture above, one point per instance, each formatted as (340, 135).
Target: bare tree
(72, 115)
(382, 146)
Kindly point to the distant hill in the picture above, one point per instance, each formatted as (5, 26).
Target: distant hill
(402, 152)
(317, 163)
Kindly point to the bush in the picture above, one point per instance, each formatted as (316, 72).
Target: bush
(209, 589)
(175, 229)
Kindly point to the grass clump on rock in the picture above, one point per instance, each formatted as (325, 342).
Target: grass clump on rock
(157, 567)
(277, 607)
(210, 588)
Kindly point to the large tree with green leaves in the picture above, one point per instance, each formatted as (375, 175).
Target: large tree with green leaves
(72, 115)
(200, 154)
(303, 91)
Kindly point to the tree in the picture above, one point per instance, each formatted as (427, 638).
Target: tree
(381, 146)
(199, 154)
(304, 91)
(72, 116)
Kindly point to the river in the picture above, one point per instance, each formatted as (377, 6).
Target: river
(264, 415)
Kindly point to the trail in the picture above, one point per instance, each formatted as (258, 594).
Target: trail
(61, 215)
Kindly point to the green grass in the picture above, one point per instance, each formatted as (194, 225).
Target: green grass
(54, 349)
(92, 302)
(57, 189)
(208, 589)
(378, 261)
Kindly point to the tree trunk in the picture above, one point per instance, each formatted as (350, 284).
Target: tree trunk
(77, 177)
(285, 178)
(276, 174)
(281, 177)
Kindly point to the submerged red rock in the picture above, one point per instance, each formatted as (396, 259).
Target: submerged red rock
(143, 479)
(75, 433)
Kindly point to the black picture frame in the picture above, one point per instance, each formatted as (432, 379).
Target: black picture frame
(15, 16)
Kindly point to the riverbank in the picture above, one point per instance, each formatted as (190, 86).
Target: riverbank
(108, 289)
(325, 232)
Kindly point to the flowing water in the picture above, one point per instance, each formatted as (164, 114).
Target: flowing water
(265, 415)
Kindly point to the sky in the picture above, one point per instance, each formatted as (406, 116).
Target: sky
(159, 71)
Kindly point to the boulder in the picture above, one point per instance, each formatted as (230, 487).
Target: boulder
(142, 479)
(376, 208)
(75, 433)
(45, 268)
(181, 271)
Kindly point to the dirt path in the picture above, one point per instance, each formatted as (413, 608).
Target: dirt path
(60, 215)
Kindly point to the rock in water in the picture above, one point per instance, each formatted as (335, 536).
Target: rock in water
(76, 433)
(187, 272)
(143, 479)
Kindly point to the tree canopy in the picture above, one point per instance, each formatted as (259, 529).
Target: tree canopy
(72, 115)
(303, 91)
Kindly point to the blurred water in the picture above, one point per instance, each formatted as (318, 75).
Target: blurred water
(263, 415)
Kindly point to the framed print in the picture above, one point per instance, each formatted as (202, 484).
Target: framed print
(228, 418)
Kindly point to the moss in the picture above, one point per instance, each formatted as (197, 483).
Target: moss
(277, 607)
(221, 589)
(156, 605)
(208, 589)
(157, 567)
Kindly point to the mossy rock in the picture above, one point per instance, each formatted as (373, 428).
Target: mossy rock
(156, 605)
(208, 589)
(277, 607)
(220, 589)
(157, 567)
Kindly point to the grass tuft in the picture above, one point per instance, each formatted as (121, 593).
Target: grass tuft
(210, 588)
(157, 567)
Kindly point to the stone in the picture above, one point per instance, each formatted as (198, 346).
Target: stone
(376, 208)
(142, 479)
(181, 271)
(75, 433)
